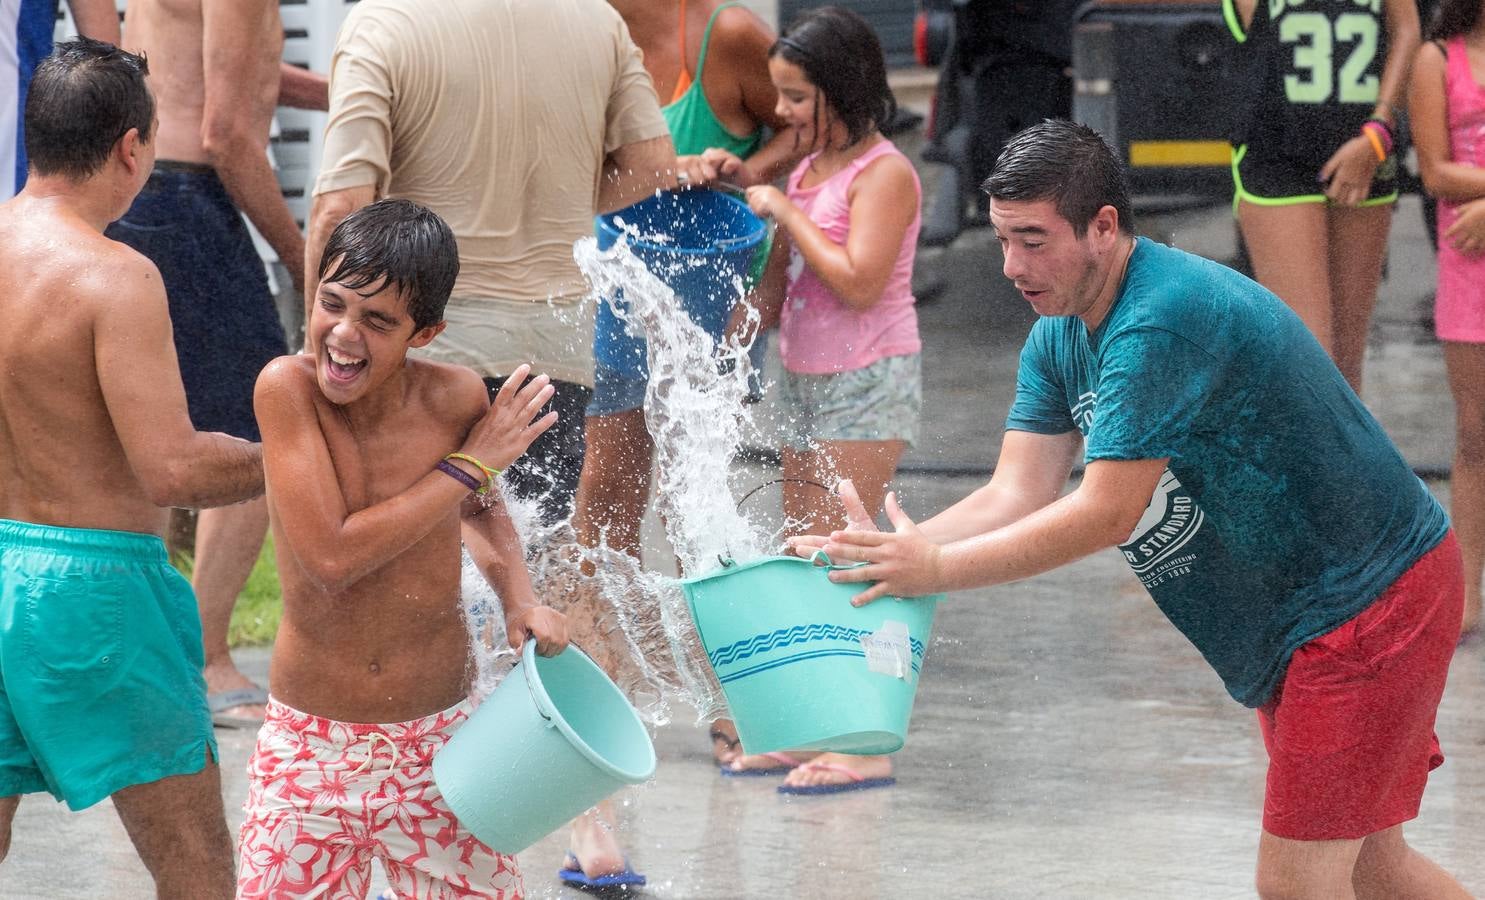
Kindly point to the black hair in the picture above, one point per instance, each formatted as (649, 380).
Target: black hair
(82, 100)
(1452, 18)
(841, 56)
(1067, 163)
(400, 241)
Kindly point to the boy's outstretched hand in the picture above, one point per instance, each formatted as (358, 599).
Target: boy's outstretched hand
(504, 432)
(542, 624)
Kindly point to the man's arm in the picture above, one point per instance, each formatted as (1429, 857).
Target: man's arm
(302, 89)
(241, 90)
(1030, 474)
(635, 171)
(96, 19)
(1101, 513)
(326, 211)
(134, 350)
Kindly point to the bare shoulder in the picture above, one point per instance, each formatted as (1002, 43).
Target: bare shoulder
(889, 172)
(1430, 57)
(453, 393)
(285, 380)
(123, 282)
(739, 30)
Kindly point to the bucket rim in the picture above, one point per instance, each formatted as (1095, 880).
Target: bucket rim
(735, 567)
(548, 710)
(604, 225)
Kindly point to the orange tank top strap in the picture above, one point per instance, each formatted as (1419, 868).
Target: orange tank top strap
(682, 83)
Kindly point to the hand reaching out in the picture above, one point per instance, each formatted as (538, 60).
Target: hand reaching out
(903, 563)
(857, 518)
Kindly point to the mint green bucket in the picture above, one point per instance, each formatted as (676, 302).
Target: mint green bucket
(803, 669)
(554, 738)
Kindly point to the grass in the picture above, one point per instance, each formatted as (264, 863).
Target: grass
(260, 605)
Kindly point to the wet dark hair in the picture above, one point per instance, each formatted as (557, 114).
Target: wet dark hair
(82, 100)
(403, 242)
(1452, 18)
(1067, 163)
(841, 56)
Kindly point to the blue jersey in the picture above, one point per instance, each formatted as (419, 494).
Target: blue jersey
(26, 29)
(1284, 511)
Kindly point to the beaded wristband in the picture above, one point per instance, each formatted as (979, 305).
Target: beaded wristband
(490, 474)
(458, 475)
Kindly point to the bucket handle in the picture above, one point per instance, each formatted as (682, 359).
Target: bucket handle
(536, 701)
(819, 555)
(749, 495)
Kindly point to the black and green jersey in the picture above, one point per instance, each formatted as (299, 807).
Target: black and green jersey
(1311, 73)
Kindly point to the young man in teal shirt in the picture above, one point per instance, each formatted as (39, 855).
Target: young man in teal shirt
(1258, 501)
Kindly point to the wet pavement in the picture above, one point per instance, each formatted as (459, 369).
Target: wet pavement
(1066, 743)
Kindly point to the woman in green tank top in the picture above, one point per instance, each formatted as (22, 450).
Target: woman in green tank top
(709, 64)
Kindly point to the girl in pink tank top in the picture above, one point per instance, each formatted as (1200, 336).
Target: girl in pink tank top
(839, 283)
(1447, 107)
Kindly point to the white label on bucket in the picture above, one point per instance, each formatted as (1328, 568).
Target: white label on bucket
(889, 650)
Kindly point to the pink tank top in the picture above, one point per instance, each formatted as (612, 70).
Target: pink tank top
(819, 334)
(1459, 312)
(1466, 103)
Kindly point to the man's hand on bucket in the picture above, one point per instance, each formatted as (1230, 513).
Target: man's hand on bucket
(902, 562)
(857, 519)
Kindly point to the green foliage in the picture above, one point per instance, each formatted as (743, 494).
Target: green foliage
(260, 606)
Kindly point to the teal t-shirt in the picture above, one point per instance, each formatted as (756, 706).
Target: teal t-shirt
(1284, 511)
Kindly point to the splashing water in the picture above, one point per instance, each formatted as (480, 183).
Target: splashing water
(633, 622)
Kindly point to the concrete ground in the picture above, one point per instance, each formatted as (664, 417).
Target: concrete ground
(1066, 743)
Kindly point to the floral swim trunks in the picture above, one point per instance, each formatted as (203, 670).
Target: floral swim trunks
(325, 798)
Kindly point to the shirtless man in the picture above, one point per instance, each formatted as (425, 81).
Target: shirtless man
(376, 463)
(101, 646)
(218, 77)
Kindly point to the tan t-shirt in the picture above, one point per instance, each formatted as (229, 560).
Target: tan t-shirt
(496, 114)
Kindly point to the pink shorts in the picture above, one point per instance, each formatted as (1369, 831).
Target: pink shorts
(1349, 731)
(325, 798)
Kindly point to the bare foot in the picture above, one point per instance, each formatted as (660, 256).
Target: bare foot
(222, 676)
(770, 762)
(818, 772)
(593, 843)
(1471, 617)
(726, 748)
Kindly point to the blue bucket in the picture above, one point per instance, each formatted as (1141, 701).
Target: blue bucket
(696, 242)
(803, 669)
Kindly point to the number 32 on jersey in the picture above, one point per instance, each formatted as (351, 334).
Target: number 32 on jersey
(1315, 76)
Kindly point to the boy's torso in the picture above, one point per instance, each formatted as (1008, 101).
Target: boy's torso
(392, 646)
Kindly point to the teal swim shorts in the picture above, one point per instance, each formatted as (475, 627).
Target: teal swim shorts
(100, 664)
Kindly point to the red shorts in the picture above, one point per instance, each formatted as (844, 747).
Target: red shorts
(1349, 731)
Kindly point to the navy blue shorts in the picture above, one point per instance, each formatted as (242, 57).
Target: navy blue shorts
(226, 326)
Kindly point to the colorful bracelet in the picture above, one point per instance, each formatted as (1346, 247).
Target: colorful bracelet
(1382, 129)
(458, 475)
(490, 474)
(1376, 143)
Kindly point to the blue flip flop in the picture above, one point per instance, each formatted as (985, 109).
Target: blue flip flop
(856, 783)
(572, 875)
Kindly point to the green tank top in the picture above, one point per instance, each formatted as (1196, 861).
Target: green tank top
(693, 125)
